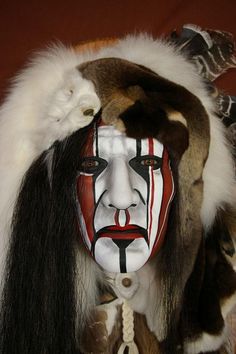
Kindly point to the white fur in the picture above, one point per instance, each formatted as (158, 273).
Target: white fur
(46, 103)
(205, 343)
(218, 174)
(111, 310)
(88, 275)
(227, 305)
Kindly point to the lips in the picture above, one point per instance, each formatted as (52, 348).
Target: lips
(115, 232)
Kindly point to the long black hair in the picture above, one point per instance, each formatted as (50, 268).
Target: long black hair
(38, 314)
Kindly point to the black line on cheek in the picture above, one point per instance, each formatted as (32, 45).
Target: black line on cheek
(95, 209)
(94, 202)
(140, 196)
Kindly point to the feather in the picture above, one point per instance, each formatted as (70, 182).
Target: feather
(212, 52)
(227, 108)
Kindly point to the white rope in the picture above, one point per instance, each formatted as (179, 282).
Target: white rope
(128, 330)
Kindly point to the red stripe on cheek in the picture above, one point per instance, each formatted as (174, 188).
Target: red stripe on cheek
(85, 188)
(168, 190)
(86, 197)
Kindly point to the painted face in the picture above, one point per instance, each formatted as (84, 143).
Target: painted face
(124, 189)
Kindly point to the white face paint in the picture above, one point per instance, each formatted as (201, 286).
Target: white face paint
(125, 187)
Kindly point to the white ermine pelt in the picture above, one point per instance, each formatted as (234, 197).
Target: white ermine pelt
(48, 100)
(47, 103)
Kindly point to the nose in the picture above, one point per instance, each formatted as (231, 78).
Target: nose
(120, 193)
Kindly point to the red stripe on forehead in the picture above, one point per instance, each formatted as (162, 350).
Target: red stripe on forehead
(101, 123)
(150, 146)
(88, 149)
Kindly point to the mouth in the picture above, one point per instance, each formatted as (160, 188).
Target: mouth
(128, 232)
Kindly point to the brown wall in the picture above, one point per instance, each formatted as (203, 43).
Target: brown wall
(27, 25)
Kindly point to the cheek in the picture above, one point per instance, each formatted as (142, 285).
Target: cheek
(86, 199)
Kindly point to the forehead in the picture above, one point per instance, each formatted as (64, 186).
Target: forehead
(109, 142)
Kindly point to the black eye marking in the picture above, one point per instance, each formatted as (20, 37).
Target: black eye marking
(92, 165)
(149, 162)
(146, 161)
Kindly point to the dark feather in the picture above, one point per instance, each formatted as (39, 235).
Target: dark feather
(211, 51)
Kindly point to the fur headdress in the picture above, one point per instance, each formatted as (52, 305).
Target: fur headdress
(145, 88)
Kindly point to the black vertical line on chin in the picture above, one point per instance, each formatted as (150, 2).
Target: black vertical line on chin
(123, 268)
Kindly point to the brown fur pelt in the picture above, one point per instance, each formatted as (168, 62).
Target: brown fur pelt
(142, 104)
(96, 339)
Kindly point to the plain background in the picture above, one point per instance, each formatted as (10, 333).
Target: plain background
(26, 26)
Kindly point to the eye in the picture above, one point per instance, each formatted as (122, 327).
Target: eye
(92, 165)
(144, 162)
(149, 162)
(86, 164)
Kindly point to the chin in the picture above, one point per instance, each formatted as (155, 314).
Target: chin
(107, 255)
